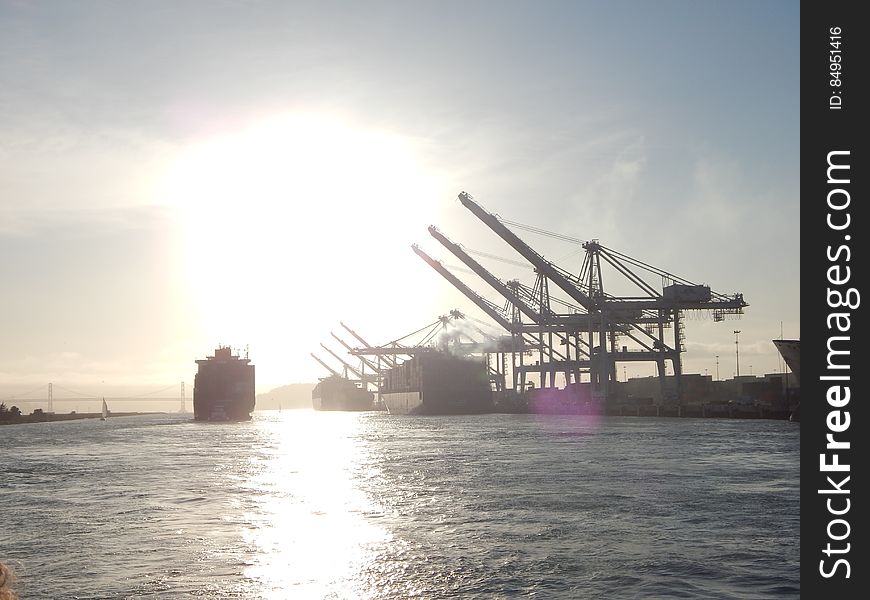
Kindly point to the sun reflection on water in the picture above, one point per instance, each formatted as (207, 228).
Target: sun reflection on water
(311, 524)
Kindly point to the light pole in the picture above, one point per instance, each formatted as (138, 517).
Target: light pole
(717, 367)
(737, 349)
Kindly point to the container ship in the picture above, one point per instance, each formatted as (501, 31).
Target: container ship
(437, 383)
(223, 389)
(338, 393)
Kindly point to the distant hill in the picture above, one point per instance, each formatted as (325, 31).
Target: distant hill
(294, 395)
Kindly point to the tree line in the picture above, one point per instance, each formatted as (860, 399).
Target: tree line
(9, 414)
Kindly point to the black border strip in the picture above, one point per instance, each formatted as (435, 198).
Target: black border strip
(833, 102)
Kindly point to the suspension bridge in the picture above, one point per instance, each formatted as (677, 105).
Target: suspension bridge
(46, 395)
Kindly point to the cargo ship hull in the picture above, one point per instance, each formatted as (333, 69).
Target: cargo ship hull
(223, 388)
(437, 383)
(403, 403)
(338, 393)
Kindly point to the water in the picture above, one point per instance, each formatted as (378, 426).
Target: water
(302, 504)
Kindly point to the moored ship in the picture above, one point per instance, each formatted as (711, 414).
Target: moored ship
(339, 393)
(437, 383)
(791, 354)
(223, 389)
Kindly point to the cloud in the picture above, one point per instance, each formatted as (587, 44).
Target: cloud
(28, 222)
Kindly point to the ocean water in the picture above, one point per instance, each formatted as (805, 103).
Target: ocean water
(301, 504)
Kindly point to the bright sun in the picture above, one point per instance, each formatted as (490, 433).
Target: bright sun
(283, 214)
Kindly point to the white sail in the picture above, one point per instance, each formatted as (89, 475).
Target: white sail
(105, 410)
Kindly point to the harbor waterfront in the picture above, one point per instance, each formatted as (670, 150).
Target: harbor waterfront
(308, 504)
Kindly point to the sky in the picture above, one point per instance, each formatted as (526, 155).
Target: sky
(174, 176)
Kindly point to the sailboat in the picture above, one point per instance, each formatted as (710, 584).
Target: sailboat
(105, 412)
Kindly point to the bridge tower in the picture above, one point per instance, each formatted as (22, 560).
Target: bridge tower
(183, 400)
(50, 397)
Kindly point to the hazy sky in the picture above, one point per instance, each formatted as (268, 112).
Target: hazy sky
(174, 175)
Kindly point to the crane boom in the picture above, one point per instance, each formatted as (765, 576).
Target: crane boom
(325, 366)
(479, 300)
(488, 277)
(390, 362)
(368, 363)
(346, 364)
(557, 322)
(544, 266)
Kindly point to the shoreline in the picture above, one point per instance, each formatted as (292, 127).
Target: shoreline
(52, 417)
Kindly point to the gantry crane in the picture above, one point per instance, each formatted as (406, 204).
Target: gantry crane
(606, 317)
(534, 304)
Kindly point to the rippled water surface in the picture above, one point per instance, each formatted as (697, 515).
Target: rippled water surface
(302, 504)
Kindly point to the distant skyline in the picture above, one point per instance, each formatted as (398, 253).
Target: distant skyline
(178, 175)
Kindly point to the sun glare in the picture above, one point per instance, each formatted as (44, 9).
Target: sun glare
(314, 526)
(288, 207)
